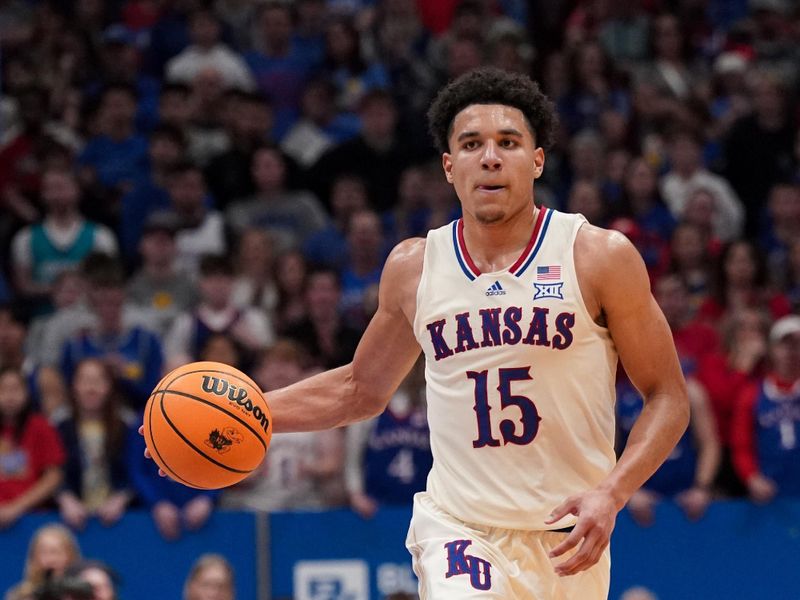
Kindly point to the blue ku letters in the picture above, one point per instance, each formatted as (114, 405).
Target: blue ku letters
(497, 327)
(459, 563)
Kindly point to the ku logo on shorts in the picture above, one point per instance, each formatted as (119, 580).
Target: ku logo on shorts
(458, 563)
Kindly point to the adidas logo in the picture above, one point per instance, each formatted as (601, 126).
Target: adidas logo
(495, 290)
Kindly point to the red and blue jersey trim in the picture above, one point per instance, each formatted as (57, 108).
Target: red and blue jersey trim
(520, 265)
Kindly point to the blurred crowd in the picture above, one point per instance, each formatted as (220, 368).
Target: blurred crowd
(222, 180)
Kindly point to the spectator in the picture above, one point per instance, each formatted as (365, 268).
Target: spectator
(59, 242)
(95, 475)
(768, 128)
(158, 286)
(366, 252)
(291, 275)
(173, 506)
(324, 333)
(694, 338)
(51, 551)
(378, 155)
(249, 124)
(255, 284)
(282, 67)
(691, 261)
(585, 198)
(411, 217)
(206, 51)
(22, 156)
(389, 456)
(320, 125)
(687, 173)
(166, 148)
(31, 455)
(740, 283)
(402, 45)
(69, 291)
(586, 162)
(211, 578)
(347, 68)
(688, 474)
(220, 347)
(290, 216)
(701, 212)
(672, 69)
(766, 420)
(133, 351)
(790, 277)
(724, 374)
(328, 247)
(118, 63)
(114, 159)
(216, 313)
(12, 341)
(593, 89)
(781, 226)
(201, 228)
(99, 575)
(653, 220)
(302, 470)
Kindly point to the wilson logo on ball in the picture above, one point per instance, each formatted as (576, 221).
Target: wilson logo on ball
(222, 442)
(221, 387)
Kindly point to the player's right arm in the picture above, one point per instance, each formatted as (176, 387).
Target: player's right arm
(385, 354)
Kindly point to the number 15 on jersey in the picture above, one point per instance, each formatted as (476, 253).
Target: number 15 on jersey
(519, 430)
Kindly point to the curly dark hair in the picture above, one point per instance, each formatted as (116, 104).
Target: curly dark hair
(489, 85)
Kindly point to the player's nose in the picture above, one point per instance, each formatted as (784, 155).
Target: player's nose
(490, 158)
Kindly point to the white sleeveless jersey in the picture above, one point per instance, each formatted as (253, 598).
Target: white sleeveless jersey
(520, 379)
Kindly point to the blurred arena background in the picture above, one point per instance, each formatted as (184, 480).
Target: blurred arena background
(222, 180)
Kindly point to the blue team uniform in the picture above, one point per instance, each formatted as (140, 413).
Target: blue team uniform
(397, 457)
(778, 436)
(677, 472)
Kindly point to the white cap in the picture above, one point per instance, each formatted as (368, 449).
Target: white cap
(784, 326)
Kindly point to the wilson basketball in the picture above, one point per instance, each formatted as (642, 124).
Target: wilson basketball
(207, 425)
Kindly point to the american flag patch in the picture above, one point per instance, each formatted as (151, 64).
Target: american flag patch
(548, 273)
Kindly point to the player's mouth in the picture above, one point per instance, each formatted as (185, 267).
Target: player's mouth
(490, 188)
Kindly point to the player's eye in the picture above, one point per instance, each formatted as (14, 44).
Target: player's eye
(508, 143)
(470, 145)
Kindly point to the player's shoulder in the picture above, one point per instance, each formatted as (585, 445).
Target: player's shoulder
(401, 276)
(406, 257)
(608, 265)
(604, 250)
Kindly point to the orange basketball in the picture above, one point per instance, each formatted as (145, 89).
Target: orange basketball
(207, 425)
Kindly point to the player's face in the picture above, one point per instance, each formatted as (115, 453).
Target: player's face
(493, 161)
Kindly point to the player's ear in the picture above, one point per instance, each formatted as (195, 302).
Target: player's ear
(447, 165)
(538, 162)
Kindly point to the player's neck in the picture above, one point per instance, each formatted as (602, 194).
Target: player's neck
(497, 246)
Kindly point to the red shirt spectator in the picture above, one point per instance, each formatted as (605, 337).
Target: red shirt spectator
(741, 277)
(30, 451)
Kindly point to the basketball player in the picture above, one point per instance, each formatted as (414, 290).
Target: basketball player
(522, 312)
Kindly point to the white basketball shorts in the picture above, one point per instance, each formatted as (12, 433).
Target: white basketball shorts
(455, 560)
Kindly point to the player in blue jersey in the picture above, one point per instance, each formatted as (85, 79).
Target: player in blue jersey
(521, 312)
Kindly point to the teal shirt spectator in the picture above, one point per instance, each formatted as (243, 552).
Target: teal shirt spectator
(49, 261)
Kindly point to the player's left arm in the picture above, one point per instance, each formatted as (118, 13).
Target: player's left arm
(616, 287)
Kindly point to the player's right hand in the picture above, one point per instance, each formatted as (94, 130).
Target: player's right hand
(597, 513)
(147, 452)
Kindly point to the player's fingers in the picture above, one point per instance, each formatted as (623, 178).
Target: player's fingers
(588, 554)
(572, 540)
(141, 429)
(160, 472)
(147, 453)
(568, 507)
